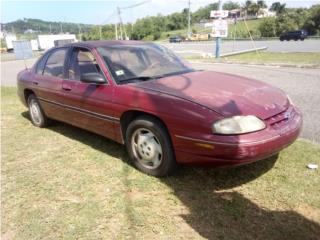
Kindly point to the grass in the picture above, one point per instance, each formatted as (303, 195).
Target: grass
(239, 30)
(311, 59)
(65, 183)
(296, 58)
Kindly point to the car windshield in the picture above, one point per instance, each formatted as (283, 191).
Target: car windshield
(143, 62)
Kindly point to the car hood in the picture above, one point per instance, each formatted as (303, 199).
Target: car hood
(226, 94)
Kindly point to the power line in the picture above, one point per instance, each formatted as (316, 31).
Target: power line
(121, 26)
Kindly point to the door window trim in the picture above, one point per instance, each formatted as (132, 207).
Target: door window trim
(69, 56)
(64, 63)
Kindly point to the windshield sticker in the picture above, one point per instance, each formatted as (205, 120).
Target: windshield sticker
(119, 72)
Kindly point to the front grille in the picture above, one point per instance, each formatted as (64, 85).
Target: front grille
(278, 120)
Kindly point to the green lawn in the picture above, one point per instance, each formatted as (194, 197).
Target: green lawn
(296, 58)
(239, 30)
(66, 183)
(303, 59)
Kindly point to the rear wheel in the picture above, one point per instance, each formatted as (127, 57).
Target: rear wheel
(149, 146)
(37, 115)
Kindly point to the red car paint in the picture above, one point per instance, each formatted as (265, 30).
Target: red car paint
(188, 105)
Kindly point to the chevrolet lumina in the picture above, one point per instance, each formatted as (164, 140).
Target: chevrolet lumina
(164, 111)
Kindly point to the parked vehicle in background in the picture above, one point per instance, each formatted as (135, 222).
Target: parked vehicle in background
(144, 96)
(199, 37)
(294, 35)
(176, 39)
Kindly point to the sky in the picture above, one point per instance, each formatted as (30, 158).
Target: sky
(104, 11)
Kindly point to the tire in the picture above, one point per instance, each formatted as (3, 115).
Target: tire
(149, 147)
(37, 116)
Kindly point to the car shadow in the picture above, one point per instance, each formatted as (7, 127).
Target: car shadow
(215, 210)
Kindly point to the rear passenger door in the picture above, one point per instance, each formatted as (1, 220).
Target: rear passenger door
(88, 105)
(49, 74)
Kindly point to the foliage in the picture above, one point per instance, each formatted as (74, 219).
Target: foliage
(312, 24)
(268, 27)
(40, 26)
(278, 8)
(204, 12)
(160, 26)
(231, 5)
(292, 19)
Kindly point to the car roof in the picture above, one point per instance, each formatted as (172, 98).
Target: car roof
(95, 44)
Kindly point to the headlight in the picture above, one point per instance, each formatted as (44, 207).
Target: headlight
(238, 125)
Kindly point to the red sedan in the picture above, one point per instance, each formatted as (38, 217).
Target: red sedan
(166, 113)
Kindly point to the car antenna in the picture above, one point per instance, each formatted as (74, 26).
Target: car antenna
(25, 63)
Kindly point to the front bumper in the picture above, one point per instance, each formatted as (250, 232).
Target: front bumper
(242, 149)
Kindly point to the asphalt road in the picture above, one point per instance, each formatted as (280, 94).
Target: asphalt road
(198, 48)
(303, 86)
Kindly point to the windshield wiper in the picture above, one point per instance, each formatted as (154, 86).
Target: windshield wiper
(142, 78)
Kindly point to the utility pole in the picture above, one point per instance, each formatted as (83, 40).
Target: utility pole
(80, 32)
(100, 32)
(189, 20)
(50, 28)
(116, 28)
(218, 39)
(60, 27)
(122, 28)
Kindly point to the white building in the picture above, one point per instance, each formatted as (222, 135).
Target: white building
(47, 41)
(264, 12)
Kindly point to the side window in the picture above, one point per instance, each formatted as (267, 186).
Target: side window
(82, 61)
(55, 63)
(40, 64)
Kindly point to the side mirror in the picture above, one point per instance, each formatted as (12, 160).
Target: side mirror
(92, 78)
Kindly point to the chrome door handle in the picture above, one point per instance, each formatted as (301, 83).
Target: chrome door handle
(67, 88)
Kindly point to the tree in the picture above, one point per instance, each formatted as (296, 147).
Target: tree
(312, 23)
(278, 8)
(253, 9)
(262, 4)
(230, 5)
(204, 12)
(268, 27)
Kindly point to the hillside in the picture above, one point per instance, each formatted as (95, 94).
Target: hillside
(29, 25)
(238, 29)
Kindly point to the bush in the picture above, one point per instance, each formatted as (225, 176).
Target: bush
(268, 27)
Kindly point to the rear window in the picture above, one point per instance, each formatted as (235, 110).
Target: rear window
(55, 63)
(41, 63)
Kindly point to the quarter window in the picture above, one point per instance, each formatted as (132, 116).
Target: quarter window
(55, 63)
(82, 61)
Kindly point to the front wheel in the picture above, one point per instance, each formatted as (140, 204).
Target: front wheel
(149, 146)
(38, 118)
